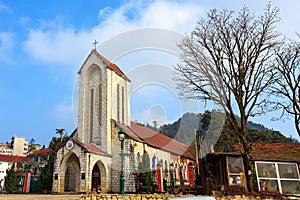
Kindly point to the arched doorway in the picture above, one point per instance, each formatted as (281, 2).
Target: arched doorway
(99, 177)
(72, 172)
(96, 177)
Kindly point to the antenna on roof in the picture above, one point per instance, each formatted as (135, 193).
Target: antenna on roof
(95, 44)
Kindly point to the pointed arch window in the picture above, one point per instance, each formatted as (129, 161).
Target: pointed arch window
(91, 113)
(94, 108)
(100, 104)
(118, 102)
(123, 105)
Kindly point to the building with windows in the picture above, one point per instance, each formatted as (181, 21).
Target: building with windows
(107, 145)
(277, 167)
(19, 146)
(39, 159)
(5, 148)
(7, 161)
(3, 168)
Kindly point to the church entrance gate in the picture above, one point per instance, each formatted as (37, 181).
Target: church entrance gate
(71, 183)
(96, 178)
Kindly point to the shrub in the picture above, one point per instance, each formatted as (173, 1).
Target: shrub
(11, 180)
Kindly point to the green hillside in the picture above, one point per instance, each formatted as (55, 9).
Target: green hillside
(214, 126)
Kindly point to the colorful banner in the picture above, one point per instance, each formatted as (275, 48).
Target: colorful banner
(159, 178)
(26, 185)
(191, 174)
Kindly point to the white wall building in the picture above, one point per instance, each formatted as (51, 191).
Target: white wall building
(19, 146)
(3, 167)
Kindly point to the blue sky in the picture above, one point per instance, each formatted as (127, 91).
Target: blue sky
(43, 44)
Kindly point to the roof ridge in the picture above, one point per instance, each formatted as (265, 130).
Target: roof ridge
(162, 135)
(41, 150)
(139, 136)
(111, 65)
(89, 146)
(158, 140)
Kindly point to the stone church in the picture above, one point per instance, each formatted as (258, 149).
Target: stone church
(92, 156)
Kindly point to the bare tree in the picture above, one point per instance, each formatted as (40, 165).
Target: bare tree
(227, 60)
(287, 87)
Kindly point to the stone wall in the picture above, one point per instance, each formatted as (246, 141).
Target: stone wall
(162, 197)
(115, 169)
(101, 109)
(130, 196)
(129, 162)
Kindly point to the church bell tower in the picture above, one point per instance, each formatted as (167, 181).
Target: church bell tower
(103, 95)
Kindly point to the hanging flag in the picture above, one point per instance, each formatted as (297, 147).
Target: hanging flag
(191, 174)
(159, 178)
(23, 167)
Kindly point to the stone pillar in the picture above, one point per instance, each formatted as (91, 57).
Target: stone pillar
(129, 169)
(55, 176)
(88, 175)
(83, 172)
(58, 176)
(116, 164)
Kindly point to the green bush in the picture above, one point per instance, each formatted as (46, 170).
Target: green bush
(11, 180)
(46, 177)
(144, 189)
(145, 174)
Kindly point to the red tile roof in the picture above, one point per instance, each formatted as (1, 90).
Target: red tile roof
(141, 133)
(112, 66)
(109, 64)
(131, 133)
(14, 159)
(92, 148)
(190, 151)
(41, 151)
(260, 151)
(267, 152)
(276, 152)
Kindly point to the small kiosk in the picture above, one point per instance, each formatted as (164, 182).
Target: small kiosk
(225, 171)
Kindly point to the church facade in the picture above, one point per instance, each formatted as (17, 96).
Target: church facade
(92, 156)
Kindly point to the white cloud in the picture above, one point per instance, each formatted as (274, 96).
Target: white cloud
(104, 13)
(56, 44)
(61, 47)
(64, 45)
(177, 16)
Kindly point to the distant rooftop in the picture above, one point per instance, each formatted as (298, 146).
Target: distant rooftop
(15, 159)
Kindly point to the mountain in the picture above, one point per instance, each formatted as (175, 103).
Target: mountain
(184, 128)
(214, 126)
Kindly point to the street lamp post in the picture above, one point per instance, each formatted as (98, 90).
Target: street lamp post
(121, 138)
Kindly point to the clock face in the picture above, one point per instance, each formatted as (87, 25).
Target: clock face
(70, 145)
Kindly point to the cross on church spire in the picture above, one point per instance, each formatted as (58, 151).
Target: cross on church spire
(95, 44)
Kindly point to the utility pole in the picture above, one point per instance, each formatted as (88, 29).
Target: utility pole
(196, 147)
